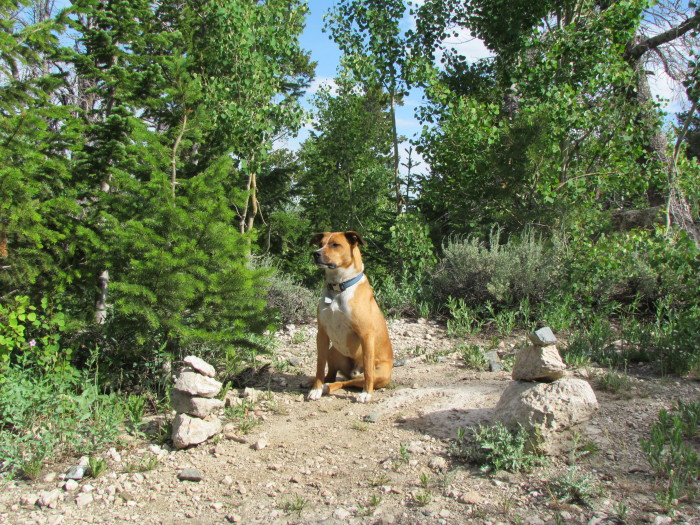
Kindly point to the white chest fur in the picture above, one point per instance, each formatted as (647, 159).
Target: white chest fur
(335, 314)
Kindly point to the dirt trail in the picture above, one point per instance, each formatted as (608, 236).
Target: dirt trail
(386, 462)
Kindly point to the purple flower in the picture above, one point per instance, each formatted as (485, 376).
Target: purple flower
(32, 343)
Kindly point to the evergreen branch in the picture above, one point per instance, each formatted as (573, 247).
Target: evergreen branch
(173, 158)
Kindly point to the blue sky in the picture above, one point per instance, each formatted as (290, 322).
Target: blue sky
(326, 53)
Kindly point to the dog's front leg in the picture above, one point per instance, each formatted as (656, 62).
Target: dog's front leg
(323, 344)
(368, 362)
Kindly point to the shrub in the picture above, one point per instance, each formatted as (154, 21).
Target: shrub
(670, 454)
(47, 407)
(401, 298)
(496, 447)
(636, 268)
(464, 320)
(503, 274)
(292, 302)
(678, 340)
(573, 486)
(44, 415)
(473, 356)
(593, 344)
(31, 334)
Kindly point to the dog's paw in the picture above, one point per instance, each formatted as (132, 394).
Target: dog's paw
(364, 397)
(315, 394)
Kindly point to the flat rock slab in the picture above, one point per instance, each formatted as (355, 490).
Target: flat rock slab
(200, 365)
(197, 385)
(199, 407)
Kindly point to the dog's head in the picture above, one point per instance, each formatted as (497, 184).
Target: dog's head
(337, 250)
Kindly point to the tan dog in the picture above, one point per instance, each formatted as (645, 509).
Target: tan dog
(352, 335)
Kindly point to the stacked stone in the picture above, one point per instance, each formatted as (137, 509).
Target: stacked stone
(192, 398)
(540, 397)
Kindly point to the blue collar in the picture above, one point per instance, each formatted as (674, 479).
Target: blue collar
(341, 287)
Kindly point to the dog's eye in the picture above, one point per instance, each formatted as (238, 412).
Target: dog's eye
(336, 245)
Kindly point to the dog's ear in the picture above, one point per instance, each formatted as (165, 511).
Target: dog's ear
(316, 239)
(354, 238)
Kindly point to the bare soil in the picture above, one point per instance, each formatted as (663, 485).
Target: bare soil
(385, 462)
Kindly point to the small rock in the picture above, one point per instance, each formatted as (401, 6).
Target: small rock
(227, 480)
(70, 485)
(536, 520)
(232, 399)
(253, 394)
(190, 474)
(116, 456)
(542, 337)
(233, 518)
(137, 478)
(295, 361)
(662, 520)
(50, 477)
(260, 444)
(76, 472)
(49, 498)
(84, 499)
(438, 463)
(28, 500)
(372, 417)
(415, 447)
(493, 360)
(470, 498)
(341, 514)
(200, 366)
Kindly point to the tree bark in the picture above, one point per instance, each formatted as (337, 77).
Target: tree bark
(173, 158)
(101, 305)
(253, 209)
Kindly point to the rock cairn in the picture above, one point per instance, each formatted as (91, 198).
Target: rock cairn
(541, 397)
(192, 398)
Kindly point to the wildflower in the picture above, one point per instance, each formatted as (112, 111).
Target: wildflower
(32, 343)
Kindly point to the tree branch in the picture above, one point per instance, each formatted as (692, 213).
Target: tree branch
(636, 49)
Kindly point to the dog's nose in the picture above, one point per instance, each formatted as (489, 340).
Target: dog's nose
(317, 255)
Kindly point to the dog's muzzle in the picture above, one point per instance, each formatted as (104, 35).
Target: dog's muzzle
(318, 260)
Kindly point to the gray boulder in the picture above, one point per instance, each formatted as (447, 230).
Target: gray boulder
(547, 407)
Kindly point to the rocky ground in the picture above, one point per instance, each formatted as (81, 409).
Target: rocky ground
(284, 460)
